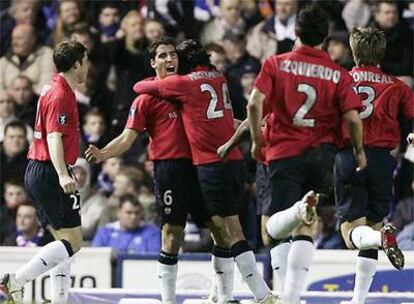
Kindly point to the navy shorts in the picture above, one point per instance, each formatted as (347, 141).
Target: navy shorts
(54, 207)
(367, 193)
(263, 190)
(177, 192)
(221, 187)
(293, 177)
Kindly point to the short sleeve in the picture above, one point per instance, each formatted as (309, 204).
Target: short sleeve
(57, 116)
(407, 103)
(138, 114)
(266, 79)
(348, 99)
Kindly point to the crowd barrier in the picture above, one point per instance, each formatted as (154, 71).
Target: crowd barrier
(332, 271)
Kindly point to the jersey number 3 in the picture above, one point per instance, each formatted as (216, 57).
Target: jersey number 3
(212, 112)
(367, 102)
(299, 118)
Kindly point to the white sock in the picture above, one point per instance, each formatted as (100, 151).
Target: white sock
(246, 262)
(60, 282)
(213, 291)
(364, 237)
(281, 224)
(224, 277)
(47, 258)
(365, 272)
(168, 278)
(299, 260)
(279, 255)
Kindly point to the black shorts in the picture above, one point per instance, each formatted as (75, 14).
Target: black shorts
(221, 187)
(367, 193)
(293, 177)
(177, 192)
(263, 191)
(54, 207)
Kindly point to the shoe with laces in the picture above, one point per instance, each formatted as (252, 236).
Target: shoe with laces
(13, 290)
(307, 209)
(390, 246)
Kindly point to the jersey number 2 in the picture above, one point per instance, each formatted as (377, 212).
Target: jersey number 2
(212, 112)
(299, 118)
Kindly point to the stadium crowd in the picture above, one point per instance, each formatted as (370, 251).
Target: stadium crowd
(119, 208)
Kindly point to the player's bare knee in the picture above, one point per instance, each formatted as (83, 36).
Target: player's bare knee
(303, 230)
(346, 229)
(375, 225)
(171, 238)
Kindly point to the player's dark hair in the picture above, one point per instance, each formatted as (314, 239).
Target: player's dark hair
(312, 25)
(368, 46)
(164, 40)
(129, 198)
(16, 124)
(191, 54)
(67, 53)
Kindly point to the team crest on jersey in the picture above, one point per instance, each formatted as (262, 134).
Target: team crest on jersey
(132, 111)
(62, 119)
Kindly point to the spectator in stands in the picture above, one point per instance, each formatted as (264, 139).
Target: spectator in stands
(108, 21)
(196, 238)
(275, 35)
(110, 168)
(25, 99)
(398, 59)
(234, 46)
(93, 130)
(19, 12)
(229, 20)
(339, 50)
(27, 58)
(13, 160)
(204, 10)
(129, 234)
(7, 115)
(356, 13)
(14, 195)
(405, 238)
(248, 73)
(127, 181)
(153, 30)
(70, 13)
(404, 212)
(130, 59)
(29, 232)
(217, 56)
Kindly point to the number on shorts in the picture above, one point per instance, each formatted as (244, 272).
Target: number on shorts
(167, 198)
(76, 201)
(367, 102)
(212, 112)
(299, 118)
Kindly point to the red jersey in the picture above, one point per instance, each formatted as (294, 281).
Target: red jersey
(308, 94)
(207, 112)
(57, 111)
(162, 120)
(266, 138)
(385, 99)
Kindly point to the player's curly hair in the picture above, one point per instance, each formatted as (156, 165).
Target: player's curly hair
(312, 25)
(191, 54)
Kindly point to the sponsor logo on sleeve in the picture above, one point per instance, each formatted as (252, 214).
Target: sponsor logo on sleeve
(62, 119)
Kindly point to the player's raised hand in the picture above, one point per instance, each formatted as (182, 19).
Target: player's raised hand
(93, 154)
(410, 139)
(67, 183)
(361, 160)
(223, 151)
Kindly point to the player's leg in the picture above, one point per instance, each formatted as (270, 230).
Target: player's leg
(220, 185)
(61, 212)
(317, 174)
(278, 249)
(170, 188)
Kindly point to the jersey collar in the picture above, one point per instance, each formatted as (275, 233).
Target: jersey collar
(310, 51)
(369, 68)
(60, 80)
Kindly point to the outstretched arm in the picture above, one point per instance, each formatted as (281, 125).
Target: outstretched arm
(172, 87)
(116, 147)
(241, 130)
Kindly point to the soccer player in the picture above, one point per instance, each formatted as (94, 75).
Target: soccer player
(208, 121)
(308, 95)
(48, 180)
(176, 184)
(363, 198)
